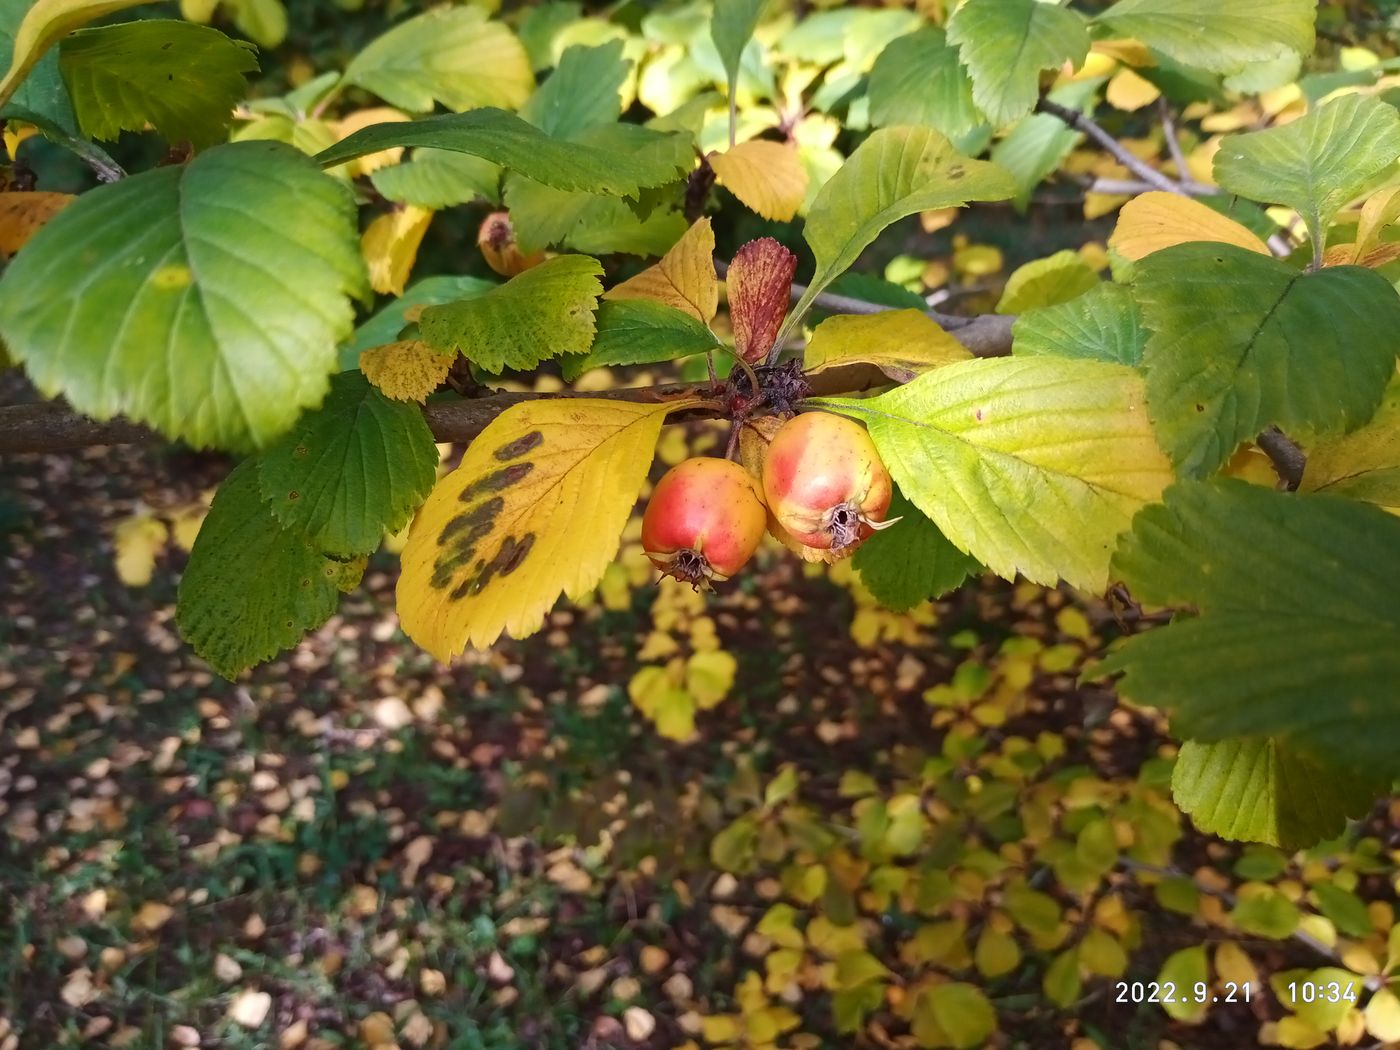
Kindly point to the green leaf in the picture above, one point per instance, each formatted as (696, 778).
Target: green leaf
(1299, 600)
(181, 78)
(912, 561)
(1040, 142)
(453, 55)
(584, 90)
(252, 588)
(1315, 164)
(963, 1012)
(1062, 982)
(1031, 465)
(1266, 914)
(42, 94)
(894, 173)
(1241, 341)
(1034, 911)
(619, 159)
(640, 332)
(1262, 790)
(1184, 969)
(1045, 282)
(918, 79)
(206, 299)
(546, 217)
(1346, 910)
(1219, 37)
(731, 28)
(34, 27)
(388, 323)
(542, 313)
(437, 179)
(1103, 324)
(1006, 43)
(352, 470)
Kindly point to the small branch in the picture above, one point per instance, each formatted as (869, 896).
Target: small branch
(1288, 459)
(1132, 187)
(1079, 122)
(1183, 173)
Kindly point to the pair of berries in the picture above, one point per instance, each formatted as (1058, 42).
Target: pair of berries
(823, 481)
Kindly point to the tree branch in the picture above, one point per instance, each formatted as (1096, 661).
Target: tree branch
(1144, 171)
(52, 426)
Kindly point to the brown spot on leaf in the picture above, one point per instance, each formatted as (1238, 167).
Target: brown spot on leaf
(496, 481)
(520, 446)
(293, 496)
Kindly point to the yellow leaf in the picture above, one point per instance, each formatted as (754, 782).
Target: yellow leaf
(1158, 220)
(537, 506)
(721, 1029)
(185, 523)
(363, 118)
(16, 132)
(1128, 91)
(766, 176)
(137, 540)
(390, 247)
(1296, 1034)
(1234, 966)
(684, 278)
(710, 676)
(21, 215)
(43, 25)
(1128, 51)
(1380, 211)
(151, 916)
(409, 370)
(900, 343)
(1383, 1016)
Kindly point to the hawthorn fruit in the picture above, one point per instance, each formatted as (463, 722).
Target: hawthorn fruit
(704, 520)
(825, 483)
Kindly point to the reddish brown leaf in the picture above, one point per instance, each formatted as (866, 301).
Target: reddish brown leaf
(759, 283)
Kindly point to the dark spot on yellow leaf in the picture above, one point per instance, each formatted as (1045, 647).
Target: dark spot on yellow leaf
(955, 172)
(508, 558)
(520, 446)
(496, 481)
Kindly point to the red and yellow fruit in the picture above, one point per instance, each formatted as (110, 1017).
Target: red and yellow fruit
(825, 483)
(704, 520)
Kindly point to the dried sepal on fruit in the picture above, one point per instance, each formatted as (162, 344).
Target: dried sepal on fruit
(825, 482)
(704, 520)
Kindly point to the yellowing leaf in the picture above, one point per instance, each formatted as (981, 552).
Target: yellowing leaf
(185, 524)
(684, 278)
(1158, 220)
(1129, 91)
(363, 118)
(537, 507)
(709, 676)
(452, 55)
(137, 540)
(1044, 282)
(21, 214)
(900, 343)
(766, 176)
(43, 25)
(390, 247)
(408, 370)
(1364, 464)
